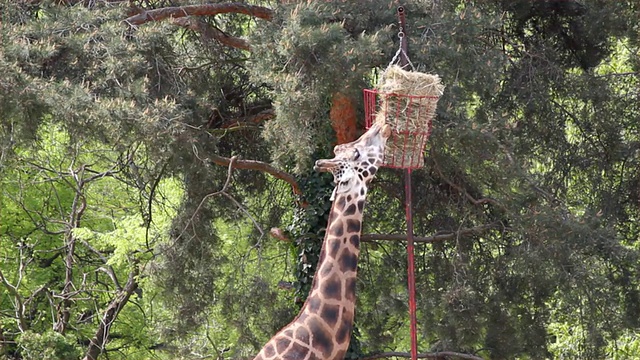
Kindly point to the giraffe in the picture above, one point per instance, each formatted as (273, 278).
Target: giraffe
(322, 329)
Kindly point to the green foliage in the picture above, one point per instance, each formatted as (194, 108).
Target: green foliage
(307, 53)
(48, 345)
(308, 227)
(533, 158)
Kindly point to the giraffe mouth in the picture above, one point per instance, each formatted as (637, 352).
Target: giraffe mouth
(325, 165)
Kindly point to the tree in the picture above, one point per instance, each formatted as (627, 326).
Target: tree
(210, 115)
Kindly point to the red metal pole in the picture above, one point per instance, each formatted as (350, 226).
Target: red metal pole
(411, 279)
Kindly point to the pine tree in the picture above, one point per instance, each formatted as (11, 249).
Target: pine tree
(525, 213)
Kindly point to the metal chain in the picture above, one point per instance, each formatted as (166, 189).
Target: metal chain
(400, 51)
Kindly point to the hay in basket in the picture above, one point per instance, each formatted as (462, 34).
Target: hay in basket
(407, 102)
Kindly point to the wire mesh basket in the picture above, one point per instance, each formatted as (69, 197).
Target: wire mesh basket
(410, 118)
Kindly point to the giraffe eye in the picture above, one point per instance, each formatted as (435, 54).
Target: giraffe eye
(356, 154)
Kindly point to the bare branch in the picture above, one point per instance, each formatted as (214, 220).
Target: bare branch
(620, 74)
(434, 355)
(255, 223)
(429, 239)
(200, 10)
(230, 165)
(252, 119)
(463, 191)
(286, 285)
(211, 32)
(19, 306)
(260, 166)
(107, 269)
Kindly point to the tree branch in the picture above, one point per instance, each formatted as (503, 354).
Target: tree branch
(434, 355)
(211, 32)
(463, 191)
(199, 10)
(429, 239)
(22, 325)
(223, 191)
(251, 119)
(260, 166)
(100, 338)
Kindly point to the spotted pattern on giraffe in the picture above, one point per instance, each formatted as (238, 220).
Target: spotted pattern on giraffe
(322, 329)
(355, 241)
(302, 335)
(322, 340)
(348, 261)
(340, 203)
(334, 247)
(337, 230)
(282, 344)
(331, 287)
(326, 269)
(353, 225)
(269, 351)
(314, 304)
(350, 288)
(350, 210)
(296, 352)
(344, 332)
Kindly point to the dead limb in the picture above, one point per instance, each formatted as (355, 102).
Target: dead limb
(199, 10)
(212, 32)
(260, 166)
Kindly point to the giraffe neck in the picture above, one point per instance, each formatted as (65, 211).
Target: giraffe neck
(332, 297)
(334, 280)
(322, 329)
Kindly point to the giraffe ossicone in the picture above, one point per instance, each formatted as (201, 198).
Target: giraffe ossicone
(322, 329)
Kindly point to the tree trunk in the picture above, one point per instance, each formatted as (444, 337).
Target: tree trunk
(343, 118)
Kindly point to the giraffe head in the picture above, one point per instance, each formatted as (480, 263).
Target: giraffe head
(357, 162)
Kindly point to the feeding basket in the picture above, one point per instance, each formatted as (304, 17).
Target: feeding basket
(406, 101)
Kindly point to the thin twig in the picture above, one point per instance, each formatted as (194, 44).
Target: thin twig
(429, 239)
(232, 160)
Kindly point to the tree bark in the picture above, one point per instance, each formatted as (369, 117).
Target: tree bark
(258, 165)
(99, 340)
(211, 32)
(200, 10)
(77, 209)
(343, 118)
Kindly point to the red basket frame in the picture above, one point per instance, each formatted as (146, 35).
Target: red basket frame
(406, 139)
